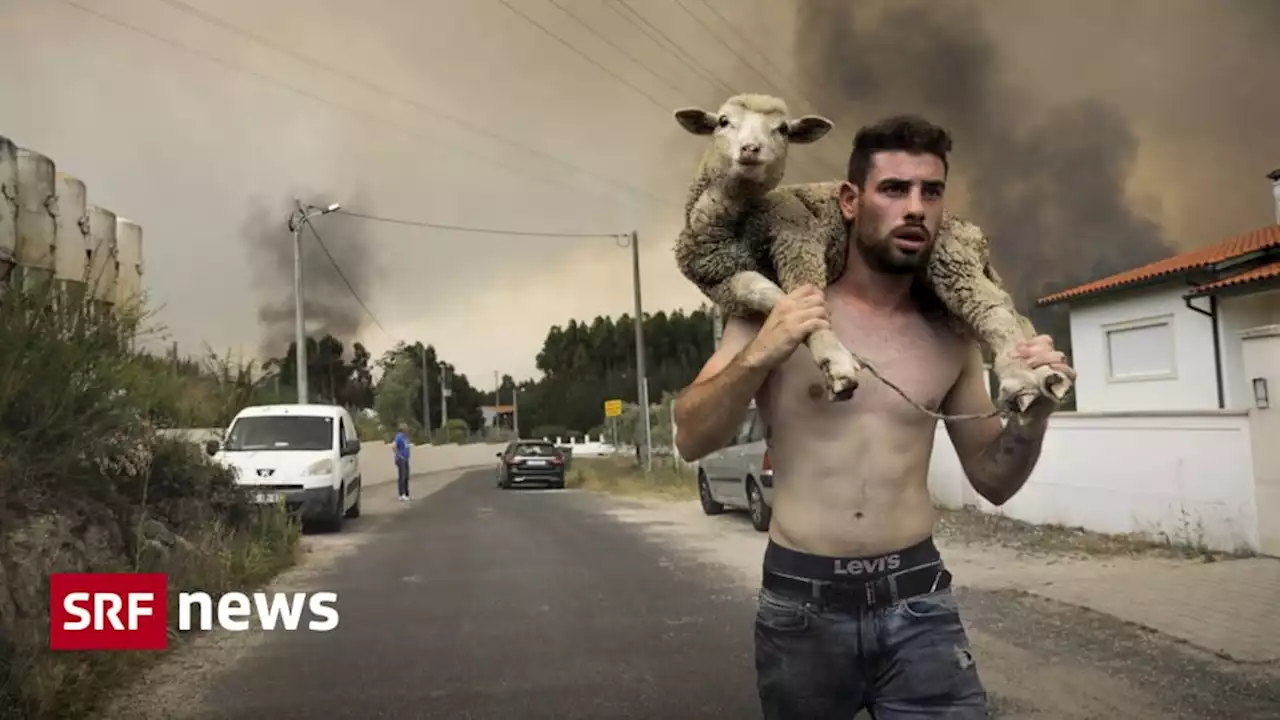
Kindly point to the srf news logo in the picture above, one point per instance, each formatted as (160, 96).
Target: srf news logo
(129, 611)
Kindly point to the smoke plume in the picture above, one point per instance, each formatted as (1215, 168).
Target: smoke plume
(328, 305)
(1049, 190)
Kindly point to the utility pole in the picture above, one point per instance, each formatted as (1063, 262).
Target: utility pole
(426, 396)
(497, 400)
(515, 411)
(299, 218)
(444, 395)
(642, 384)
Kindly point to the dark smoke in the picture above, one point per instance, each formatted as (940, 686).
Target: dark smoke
(329, 307)
(1048, 188)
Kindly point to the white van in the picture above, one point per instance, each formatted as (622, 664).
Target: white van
(307, 456)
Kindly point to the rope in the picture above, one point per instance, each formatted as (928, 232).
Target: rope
(931, 413)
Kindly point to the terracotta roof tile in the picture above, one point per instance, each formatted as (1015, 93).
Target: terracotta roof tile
(1264, 272)
(1263, 238)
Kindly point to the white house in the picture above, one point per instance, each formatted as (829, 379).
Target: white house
(1175, 434)
(1168, 336)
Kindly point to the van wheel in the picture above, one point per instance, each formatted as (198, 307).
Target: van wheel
(335, 519)
(760, 511)
(709, 505)
(354, 512)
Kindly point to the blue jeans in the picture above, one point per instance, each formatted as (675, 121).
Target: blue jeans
(908, 659)
(402, 475)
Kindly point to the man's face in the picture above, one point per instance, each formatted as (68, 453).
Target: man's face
(898, 211)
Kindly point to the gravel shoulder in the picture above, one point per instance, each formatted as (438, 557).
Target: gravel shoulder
(1038, 657)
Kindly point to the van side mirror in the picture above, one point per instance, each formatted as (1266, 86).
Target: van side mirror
(351, 448)
(211, 447)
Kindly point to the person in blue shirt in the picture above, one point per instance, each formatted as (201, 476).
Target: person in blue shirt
(402, 461)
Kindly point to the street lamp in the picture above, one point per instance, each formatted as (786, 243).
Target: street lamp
(300, 217)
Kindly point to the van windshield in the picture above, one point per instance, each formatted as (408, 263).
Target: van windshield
(281, 432)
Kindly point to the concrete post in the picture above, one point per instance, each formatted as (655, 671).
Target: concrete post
(36, 225)
(71, 238)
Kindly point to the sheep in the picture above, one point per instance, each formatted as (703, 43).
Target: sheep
(747, 241)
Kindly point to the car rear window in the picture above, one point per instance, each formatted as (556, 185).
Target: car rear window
(531, 449)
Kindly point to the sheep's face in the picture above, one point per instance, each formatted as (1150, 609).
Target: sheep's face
(751, 137)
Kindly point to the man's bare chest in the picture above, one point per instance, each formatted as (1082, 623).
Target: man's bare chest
(920, 358)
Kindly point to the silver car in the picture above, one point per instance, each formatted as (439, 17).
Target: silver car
(739, 475)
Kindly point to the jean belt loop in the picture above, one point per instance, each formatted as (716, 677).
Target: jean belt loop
(893, 588)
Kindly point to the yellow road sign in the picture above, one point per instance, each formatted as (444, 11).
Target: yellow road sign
(612, 408)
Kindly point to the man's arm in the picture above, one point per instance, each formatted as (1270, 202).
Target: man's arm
(997, 459)
(712, 408)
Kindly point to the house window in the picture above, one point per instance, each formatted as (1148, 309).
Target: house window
(1140, 350)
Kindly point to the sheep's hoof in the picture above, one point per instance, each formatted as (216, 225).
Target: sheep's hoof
(841, 381)
(1054, 384)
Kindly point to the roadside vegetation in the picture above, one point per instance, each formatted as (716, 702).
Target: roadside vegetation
(88, 483)
(622, 475)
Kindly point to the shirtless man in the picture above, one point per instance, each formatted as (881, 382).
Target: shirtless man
(855, 608)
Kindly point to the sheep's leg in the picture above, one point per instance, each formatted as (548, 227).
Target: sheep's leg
(962, 277)
(801, 258)
(1046, 381)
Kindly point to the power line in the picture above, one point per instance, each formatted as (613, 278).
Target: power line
(472, 229)
(674, 49)
(345, 281)
(583, 55)
(727, 46)
(354, 111)
(616, 46)
(369, 84)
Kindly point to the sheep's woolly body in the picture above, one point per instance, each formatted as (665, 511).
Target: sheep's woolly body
(746, 243)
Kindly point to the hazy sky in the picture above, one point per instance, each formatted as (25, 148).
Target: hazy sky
(206, 146)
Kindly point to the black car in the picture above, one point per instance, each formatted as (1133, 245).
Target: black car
(531, 461)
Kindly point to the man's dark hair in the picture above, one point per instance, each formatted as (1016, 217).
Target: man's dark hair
(904, 133)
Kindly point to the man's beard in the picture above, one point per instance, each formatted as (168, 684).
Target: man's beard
(882, 255)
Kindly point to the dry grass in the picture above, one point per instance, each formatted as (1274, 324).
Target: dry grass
(973, 526)
(621, 476)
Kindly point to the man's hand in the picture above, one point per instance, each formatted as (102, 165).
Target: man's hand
(1038, 352)
(795, 316)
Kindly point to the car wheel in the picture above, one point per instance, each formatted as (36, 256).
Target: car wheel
(354, 512)
(709, 505)
(760, 511)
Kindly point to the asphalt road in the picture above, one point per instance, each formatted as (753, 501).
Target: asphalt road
(483, 603)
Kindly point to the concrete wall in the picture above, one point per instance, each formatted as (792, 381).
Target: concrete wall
(1261, 359)
(1185, 476)
(585, 446)
(377, 460)
(1190, 384)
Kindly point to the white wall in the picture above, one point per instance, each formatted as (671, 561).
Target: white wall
(1185, 476)
(378, 465)
(1239, 314)
(1189, 384)
(377, 460)
(1261, 348)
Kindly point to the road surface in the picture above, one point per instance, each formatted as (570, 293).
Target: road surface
(474, 602)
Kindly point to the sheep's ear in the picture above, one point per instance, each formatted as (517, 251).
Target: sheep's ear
(808, 129)
(696, 120)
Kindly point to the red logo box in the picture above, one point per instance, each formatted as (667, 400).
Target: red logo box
(108, 611)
